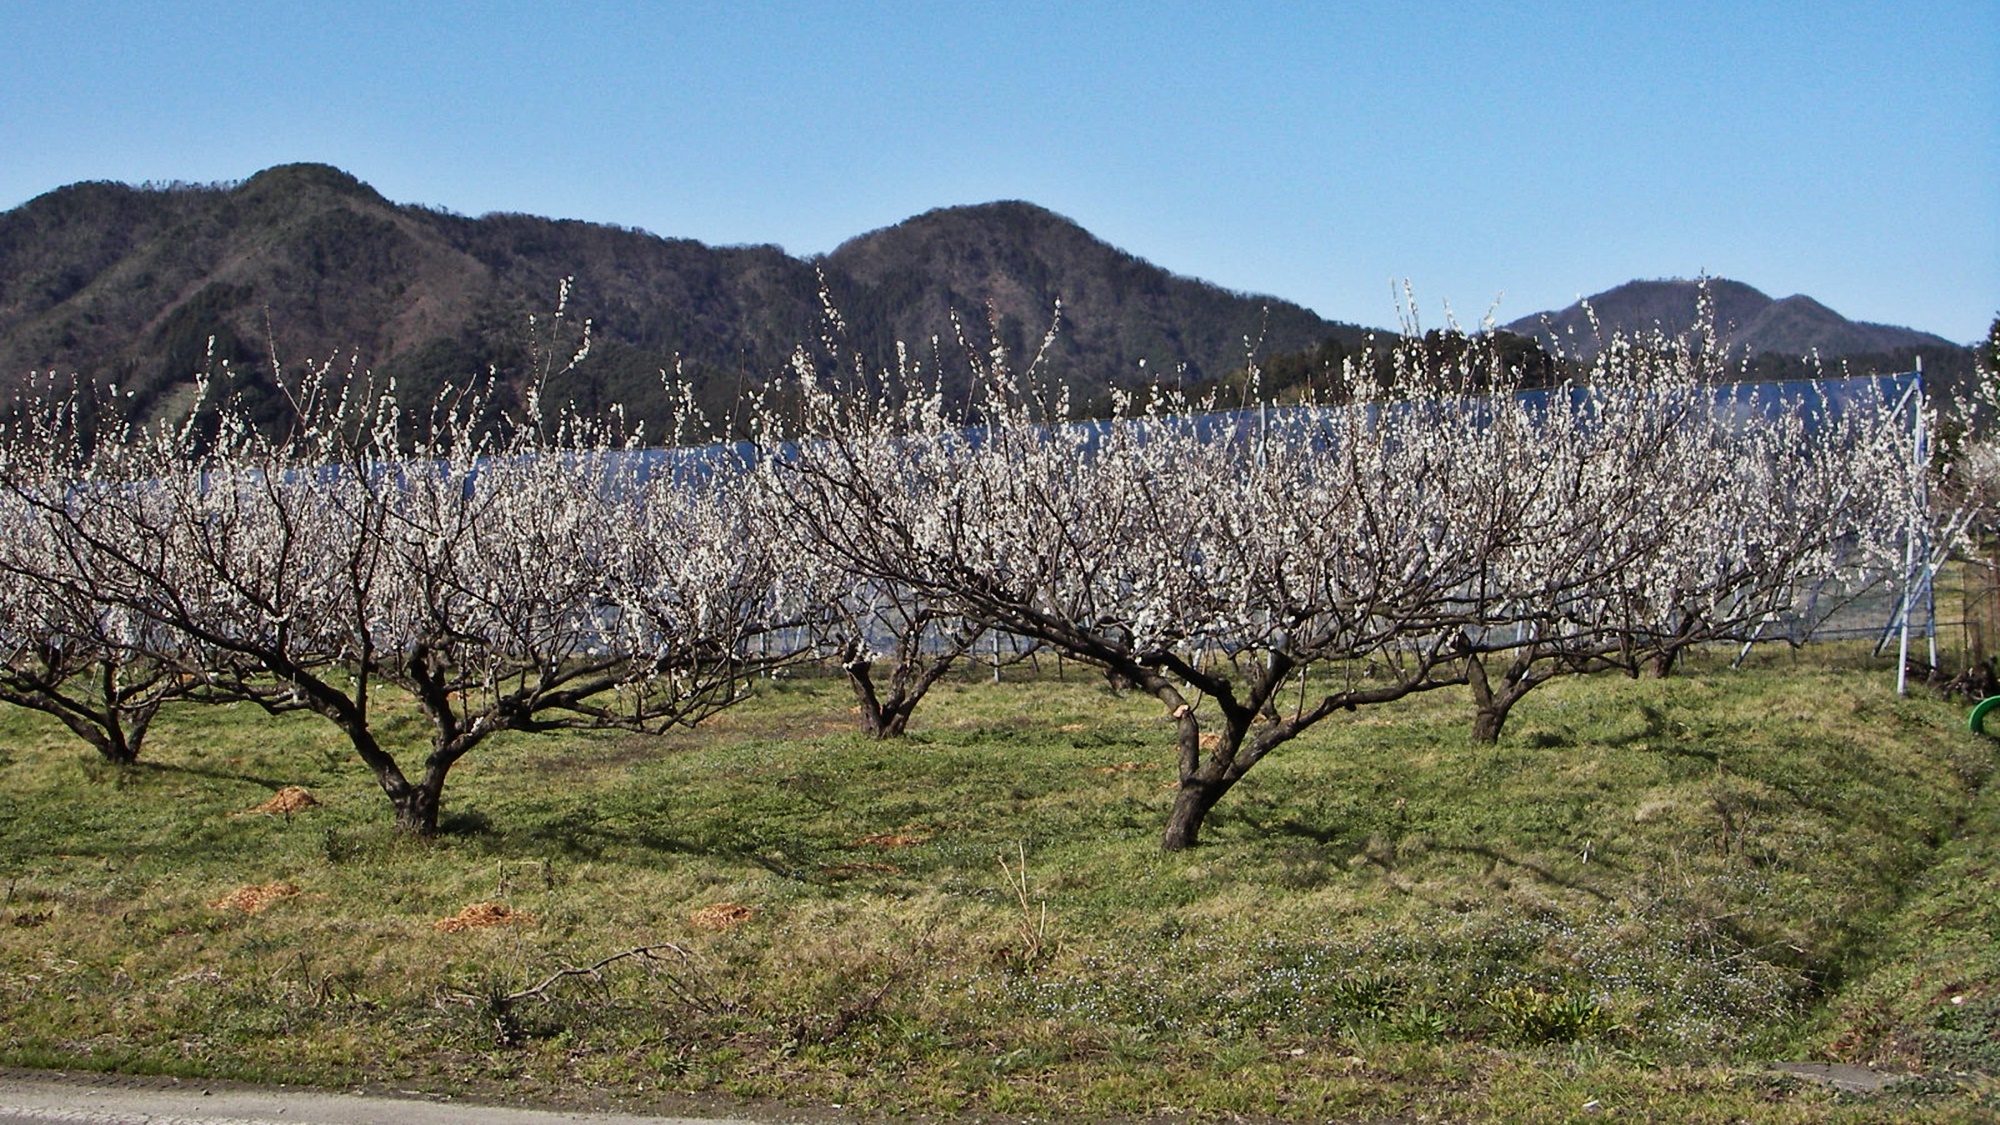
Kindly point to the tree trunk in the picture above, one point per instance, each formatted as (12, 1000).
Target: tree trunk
(1489, 708)
(102, 732)
(125, 721)
(1487, 723)
(112, 741)
(125, 738)
(133, 735)
(1203, 782)
(114, 750)
(416, 805)
(895, 720)
(879, 720)
(119, 751)
(1486, 720)
(1191, 806)
(858, 678)
(116, 730)
(417, 808)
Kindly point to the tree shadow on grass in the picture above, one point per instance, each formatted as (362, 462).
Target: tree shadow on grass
(211, 774)
(1540, 871)
(795, 858)
(1359, 840)
(1330, 838)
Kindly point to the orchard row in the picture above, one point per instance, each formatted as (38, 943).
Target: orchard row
(1257, 570)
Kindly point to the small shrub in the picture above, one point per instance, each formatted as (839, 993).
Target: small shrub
(1419, 1023)
(1537, 1018)
(1365, 996)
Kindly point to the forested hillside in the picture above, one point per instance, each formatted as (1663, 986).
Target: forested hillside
(149, 286)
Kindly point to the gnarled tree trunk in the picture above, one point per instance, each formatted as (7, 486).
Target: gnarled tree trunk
(1491, 705)
(880, 719)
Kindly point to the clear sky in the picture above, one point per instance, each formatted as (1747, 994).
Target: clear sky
(1316, 151)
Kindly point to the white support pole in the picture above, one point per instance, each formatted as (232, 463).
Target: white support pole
(1930, 573)
(1918, 457)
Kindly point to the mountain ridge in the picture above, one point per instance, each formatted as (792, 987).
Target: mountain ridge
(148, 286)
(1747, 321)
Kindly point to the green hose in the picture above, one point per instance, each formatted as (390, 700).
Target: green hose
(1976, 724)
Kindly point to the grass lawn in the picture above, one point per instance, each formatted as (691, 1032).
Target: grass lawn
(1645, 891)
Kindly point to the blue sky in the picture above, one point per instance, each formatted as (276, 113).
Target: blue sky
(1318, 152)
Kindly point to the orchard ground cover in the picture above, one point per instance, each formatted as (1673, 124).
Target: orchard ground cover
(1642, 893)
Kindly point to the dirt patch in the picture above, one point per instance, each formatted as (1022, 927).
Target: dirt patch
(290, 799)
(480, 915)
(253, 899)
(1121, 767)
(721, 916)
(890, 840)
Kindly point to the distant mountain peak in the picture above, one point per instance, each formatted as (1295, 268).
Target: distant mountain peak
(1002, 231)
(1748, 321)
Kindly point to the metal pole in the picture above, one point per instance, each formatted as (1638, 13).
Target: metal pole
(1911, 531)
(1930, 615)
(1924, 482)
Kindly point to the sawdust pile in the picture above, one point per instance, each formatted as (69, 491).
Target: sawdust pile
(253, 899)
(721, 916)
(290, 799)
(479, 915)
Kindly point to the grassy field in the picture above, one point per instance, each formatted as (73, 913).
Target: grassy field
(1643, 893)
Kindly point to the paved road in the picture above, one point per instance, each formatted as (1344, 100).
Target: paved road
(108, 1100)
(37, 1098)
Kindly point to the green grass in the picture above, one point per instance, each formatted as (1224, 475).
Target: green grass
(1645, 890)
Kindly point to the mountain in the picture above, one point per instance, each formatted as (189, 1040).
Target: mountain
(1116, 309)
(149, 286)
(1748, 321)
